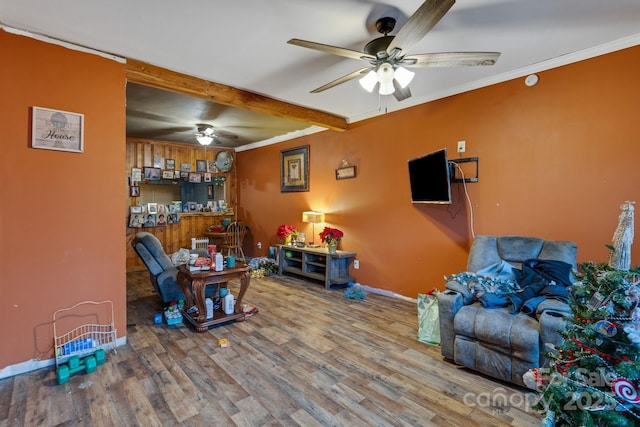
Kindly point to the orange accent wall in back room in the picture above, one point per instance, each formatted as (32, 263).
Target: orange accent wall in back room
(556, 160)
(62, 232)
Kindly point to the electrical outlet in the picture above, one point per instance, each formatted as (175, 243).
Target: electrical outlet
(259, 245)
(356, 264)
(462, 146)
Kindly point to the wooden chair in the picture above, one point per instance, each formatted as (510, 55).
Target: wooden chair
(233, 240)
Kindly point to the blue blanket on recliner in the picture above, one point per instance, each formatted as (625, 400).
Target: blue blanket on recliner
(539, 279)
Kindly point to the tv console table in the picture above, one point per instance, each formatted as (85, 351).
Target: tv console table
(316, 263)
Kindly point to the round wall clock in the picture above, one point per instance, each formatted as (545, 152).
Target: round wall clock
(224, 161)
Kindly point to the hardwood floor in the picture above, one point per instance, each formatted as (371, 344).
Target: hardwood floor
(308, 358)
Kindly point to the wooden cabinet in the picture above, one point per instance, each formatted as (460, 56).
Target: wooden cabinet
(317, 264)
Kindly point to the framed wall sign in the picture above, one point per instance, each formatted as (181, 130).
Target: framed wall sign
(346, 172)
(57, 130)
(294, 169)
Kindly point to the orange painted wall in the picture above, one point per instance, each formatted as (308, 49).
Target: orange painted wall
(62, 233)
(556, 161)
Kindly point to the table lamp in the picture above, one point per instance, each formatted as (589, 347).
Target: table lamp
(314, 218)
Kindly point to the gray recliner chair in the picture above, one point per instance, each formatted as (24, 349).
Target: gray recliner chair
(161, 270)
(494, 341)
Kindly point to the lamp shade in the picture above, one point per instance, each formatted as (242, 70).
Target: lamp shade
(403, 76)
(312, 217)
(368, 82)
(204, 139)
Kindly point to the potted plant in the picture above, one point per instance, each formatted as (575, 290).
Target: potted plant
(285, 232)
(331, 236)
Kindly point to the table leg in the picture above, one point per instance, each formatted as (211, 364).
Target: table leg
(244, 285)
(198, 290)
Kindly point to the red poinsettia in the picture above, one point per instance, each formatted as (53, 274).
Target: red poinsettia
(285, 230)
(329, 235)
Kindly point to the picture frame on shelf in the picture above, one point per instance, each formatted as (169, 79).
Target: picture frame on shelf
(294, 169)
(152, 174)
(184, 175)
(136, 175)
(137, 209)
(346, 172)
(136, 220)
(152, 208)
(149, 220)
(195, 177)
(176, 174)
(193, 206)
(207, 177)
(134, 191)
(170, 164)
(167, 174)
(201, 165)
(185, 167)
(57, 130)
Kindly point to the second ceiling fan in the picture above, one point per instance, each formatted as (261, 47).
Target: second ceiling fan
(388, 55)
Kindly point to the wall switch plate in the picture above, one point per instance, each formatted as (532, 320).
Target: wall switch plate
(356, 264)
(462, 146)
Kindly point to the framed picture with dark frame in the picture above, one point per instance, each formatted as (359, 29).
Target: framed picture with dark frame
(294, 169)
(346, 172)
(167, 174)
(170, 164)
(134, 191)
(151, 173)
(201, 165)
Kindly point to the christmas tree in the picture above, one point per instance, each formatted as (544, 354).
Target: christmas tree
(595, 374)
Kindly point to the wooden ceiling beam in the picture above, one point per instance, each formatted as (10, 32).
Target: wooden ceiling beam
(151, 75)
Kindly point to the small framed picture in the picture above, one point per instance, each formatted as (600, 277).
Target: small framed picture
(136, 220)
(211, 166)
(167, 174)
(201, 165)
(170, 164)
(134, 191)
(184, 175)
(195, 177)
(57, 130)
(136, 209)
(192, 206)
(151, 173)
(149, 220)
(207, 177)
(210, 191)
(136, 175)
(161, 220)
(176, 175)
(152, 208)
(162, 208)
(346, 172)
(185, 167)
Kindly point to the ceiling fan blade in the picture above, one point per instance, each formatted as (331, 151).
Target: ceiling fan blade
(451, 59)
(334, 50)
(341, 80)
(419, 24)
(401, 94)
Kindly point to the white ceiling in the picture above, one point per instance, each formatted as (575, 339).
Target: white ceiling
(243, 43)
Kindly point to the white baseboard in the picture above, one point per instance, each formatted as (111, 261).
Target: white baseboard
(35, 364)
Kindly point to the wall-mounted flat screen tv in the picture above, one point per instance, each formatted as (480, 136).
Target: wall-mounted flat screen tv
(430, 178)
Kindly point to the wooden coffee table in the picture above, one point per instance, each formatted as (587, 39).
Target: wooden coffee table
(199, 281)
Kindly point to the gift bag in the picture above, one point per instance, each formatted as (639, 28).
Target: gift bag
(428, 318)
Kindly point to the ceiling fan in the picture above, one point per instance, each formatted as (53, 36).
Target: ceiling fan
(388, 55)
(207, 134)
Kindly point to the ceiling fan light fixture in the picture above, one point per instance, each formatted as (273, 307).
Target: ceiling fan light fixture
(204, 139)
(403, 76)
(368, 82)
(386, 88)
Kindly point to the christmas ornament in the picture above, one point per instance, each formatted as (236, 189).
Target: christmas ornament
(606, 328)
(626, 390)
